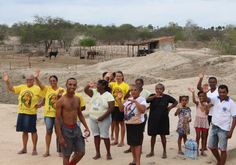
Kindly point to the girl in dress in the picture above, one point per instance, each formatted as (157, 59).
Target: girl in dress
(201, 124)
(184, 114)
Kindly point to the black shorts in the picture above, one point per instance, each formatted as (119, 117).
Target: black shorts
(26, 123)
(117, 115)
(134, 134)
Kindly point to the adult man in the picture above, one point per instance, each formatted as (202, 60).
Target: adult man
(70, 136)
(225, 108)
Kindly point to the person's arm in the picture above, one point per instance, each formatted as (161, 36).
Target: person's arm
(150, 98)
(40, 105)
(199, 84)
(120, 104)
(59, 108)
(111, 105)
(127, 95)
(82, 119)
(140, 107)
(60, 93)
(6, 79)
(172, 106)
(87, 89)
(193, 92)
(230, 133)
(40, 84)
(205, 90)
(83, 108)
(108, 75)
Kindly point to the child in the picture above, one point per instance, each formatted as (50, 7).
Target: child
(201, 124)
(184, 114)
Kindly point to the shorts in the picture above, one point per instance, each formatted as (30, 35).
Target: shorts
(201, 129)
(209, 119)
(78, 123)
(145, 117)
(117, 115)
(217, 135)
(50, 122)
(73, 138)
(26, 123)
(100, 128)
(134, 134)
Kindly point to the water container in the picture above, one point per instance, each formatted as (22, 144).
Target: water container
(190, 149)
(186, 151)
(195, 149)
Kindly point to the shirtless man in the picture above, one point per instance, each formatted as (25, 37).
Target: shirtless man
(70, 136)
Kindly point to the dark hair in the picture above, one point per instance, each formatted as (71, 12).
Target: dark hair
(199, 93)
(104, 73)
(70, 79)
(223, 87)
(180, 97)
(121, 73)
(212, 78)
(137, 86)
(139, 79)
(104, 82)
(54, 77)
(160, 85)
(114, 74)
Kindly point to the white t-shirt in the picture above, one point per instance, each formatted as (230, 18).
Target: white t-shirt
(211, 95)
(222, 113)
(131, 113)
(99, 103)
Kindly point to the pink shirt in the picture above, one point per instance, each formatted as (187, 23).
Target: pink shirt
(199, 111)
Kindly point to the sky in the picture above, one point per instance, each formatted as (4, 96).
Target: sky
(205, 13)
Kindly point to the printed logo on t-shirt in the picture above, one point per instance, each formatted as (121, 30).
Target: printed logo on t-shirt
(224, 109)
(52, 101)
(97, 103)
(115, 93)
(26, 99)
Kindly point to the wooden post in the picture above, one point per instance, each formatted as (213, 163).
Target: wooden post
(133, 51)
(148, 48)
(10, 64)
(127, 50)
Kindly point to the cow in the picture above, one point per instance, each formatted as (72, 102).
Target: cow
(92, 54)
(53, 54)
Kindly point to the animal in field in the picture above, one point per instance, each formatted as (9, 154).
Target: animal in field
(53, 54)
(92, 54)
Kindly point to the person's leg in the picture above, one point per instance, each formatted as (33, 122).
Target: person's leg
(107, 145)
(112, 131)
(97, 147)
(223, 157)
(197, 140)
(116, 126)
(122, 131)
(137, 153)
(34, 140)
(66, 160)
(204, 135)
(184, 138)
(216, 155)
(25, 140)
(179, 144)
(77, 158)
(163, 141)
(133, 154)
(153, 141)
(48, 138)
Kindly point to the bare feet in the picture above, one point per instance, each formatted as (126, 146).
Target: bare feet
(150, 155)
(114, 143)
(120, 145)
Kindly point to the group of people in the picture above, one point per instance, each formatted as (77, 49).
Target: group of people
(114, 103)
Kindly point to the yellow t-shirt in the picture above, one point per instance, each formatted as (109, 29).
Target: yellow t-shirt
(115, 88)
(28, 98)
(82, 102)
(99, 103)
(50, 96)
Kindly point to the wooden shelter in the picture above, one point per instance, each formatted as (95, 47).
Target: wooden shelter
(155, 44)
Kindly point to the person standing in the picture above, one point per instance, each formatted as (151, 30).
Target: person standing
(27, 110)
(158, 121)
(70, 135)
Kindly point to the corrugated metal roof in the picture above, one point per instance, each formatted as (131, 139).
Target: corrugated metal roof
(150, 41)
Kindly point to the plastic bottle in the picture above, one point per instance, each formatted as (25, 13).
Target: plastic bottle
(191, 148)
(186, 151)
(85, 135)
(195, 149)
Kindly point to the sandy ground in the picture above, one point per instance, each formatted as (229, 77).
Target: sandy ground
(176, 71)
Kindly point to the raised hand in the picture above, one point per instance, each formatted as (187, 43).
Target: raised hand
(200, 74)
(109, 74)
(5, 77)
(191, 90)
(36, 74)
(120, 94)
(205, 88)
(180, 105)
(92, 83)
(60, 92)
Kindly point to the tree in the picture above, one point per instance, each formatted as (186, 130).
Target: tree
(44, 30)
(88, 42)
(190, 29)
(150, 26)
(4, 31)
